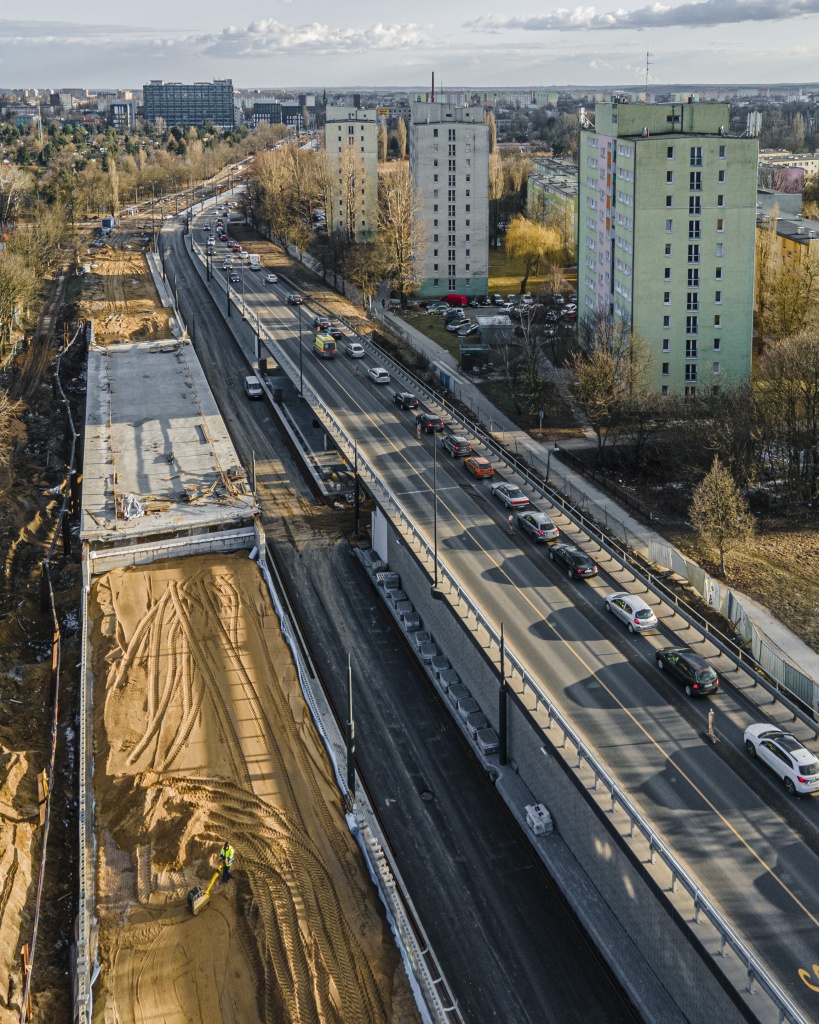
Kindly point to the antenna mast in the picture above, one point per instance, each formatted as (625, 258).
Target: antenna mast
(649, 63)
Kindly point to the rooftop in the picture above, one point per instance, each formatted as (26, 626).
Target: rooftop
(158, 458)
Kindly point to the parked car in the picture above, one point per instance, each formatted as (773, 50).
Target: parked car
(552, 317)
(577, 563)
(294, 299)
(430, 423)
(405, 400)
(453, 314)
(438, 308)
(690, 668)
(632, 610)
(271, 279)
(320, 322)
(468, 330)
(378, 375)
(568, 314)
(539, 526)
(506, 307)
(456, 325)
(354, 350)
(479, 467)
(497, 299)
(510, 495)
(785, 755)
(484, 300)
(456, 445)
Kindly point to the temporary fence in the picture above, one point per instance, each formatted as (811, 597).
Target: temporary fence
(70, 504)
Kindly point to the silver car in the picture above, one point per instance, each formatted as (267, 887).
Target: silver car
(636, 614)
(539, 526)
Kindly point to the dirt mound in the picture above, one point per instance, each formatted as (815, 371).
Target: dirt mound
(202, 735)
(119, 295)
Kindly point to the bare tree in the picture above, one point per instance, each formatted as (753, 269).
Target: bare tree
(719, 513)
(15, 186)
(401, 229)
(401, 136)
(18, 286)
(489, 118)
(364, 267)
(383, 140)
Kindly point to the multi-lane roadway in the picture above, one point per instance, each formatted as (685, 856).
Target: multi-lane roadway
(755, 851)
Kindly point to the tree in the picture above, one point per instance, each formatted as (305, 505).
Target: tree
(382, 143)
(18, 286)
(489, 118)
(719, 513)
(530, 243)
(363, 266)
(401, 136)
(401, 229)
(810, 191)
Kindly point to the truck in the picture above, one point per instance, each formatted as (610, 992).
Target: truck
(108, 225)
(255, 261)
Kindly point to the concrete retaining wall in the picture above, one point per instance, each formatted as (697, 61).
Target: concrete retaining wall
(679, 961)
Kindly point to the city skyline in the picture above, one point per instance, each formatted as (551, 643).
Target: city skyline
(465, 44)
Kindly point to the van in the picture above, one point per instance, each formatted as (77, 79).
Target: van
(253, 389)
(324, 347)
(457, 300)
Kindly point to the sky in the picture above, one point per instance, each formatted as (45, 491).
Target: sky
(325, 43)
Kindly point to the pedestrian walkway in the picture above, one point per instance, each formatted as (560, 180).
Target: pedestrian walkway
(601, 505)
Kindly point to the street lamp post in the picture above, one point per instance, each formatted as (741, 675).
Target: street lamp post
(227, 285)
(502, 698)
(435, 591)
(244, 307)
(301, 368)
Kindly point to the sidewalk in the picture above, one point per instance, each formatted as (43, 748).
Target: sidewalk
(604, 508)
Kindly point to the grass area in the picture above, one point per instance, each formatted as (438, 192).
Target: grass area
(433, 327)
(505, 275)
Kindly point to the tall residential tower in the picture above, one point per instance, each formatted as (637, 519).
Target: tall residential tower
(666, 220)
(449, 163)
(351, 142)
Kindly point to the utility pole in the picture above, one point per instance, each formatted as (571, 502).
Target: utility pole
(435, 592)
(502, 698)
(350, 738)
(356, 491)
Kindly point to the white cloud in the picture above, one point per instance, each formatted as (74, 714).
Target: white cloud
(271, 38)
(697, 14)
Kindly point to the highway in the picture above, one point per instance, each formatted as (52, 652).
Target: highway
(509, 947)
(754, 850)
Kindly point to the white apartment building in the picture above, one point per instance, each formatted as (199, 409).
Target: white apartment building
(449, 163)
(351, 142)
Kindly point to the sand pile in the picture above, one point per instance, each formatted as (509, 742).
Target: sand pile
(19, 817)
(202, 735)
(119, 295)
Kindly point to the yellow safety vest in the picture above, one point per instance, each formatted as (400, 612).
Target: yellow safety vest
(228, 855)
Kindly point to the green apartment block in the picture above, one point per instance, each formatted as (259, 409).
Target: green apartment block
(666, 220)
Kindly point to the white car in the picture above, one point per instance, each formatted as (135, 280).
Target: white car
(797, 766)
(271, 279)
(354, 350)
(378, 375)
(244, 254)
(636, 614)
(227, 265)
(510, 495)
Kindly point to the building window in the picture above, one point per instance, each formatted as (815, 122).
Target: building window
(666, 298)
(718, 297)
(666, 344)
(693, 254)
(691, 372)
(434, 238)
(695, 181)
(669, 177)
(467, 252)
(435, 266)
(666, 321)
(434, 177)
(467, 207)
(435, 282)
(434, 252)
(669, 224)
(669, 200)
(669, 153)
(720, 249)
(690, 348)
(451, 134)
(435, 164)
(692, 325)
(694, 206)
(718, 273)
(720, 200)
(717, 344)
(696, 156)
(668, 249)
(467, 266)
(435, 133)
(691, 392)
(694, 278)
(435, 193)
(722, 152)
(466, 238)
(717, 320)
(664, 389)
(717, 369)
(721, 177)
(692, 301)
(435, 223)
(693, 229)
(667, 275)
(720, 224)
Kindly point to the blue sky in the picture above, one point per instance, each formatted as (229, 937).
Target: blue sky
(323, 43)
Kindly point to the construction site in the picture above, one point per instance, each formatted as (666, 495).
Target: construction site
(194, 731)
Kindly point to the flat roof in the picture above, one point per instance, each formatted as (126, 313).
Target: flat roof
(158, 457)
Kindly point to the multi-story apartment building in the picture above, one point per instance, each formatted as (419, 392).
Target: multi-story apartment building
(351, 142)
(449, 164)
(184, 105)
(551, 197)
(666, 221)
(122, 115)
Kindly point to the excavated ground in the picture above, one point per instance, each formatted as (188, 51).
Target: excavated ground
(202, 735)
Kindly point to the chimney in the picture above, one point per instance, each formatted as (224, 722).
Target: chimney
(433, 87)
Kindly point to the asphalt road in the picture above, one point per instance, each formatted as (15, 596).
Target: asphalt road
(508, 945)
(755, 851)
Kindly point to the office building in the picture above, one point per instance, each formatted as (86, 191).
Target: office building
(449, 163)
(666, 221)
(183, 105)
(351, 144)
(122, 115)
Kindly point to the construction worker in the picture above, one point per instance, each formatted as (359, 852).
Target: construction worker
(226, 855)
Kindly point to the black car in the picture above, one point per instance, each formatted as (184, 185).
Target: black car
(456, 445)
(234, 278)
(334, 332)
(577, 563)
(690, 668)
(429, 422)
(468, 330)
(405, 400)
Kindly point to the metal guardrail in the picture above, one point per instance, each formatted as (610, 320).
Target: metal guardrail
(729, 938)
